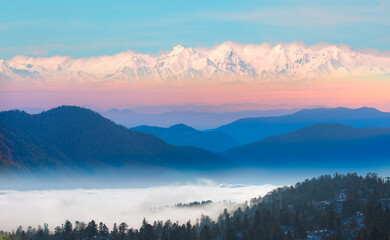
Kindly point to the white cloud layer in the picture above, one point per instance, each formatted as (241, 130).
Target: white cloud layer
(33, 208)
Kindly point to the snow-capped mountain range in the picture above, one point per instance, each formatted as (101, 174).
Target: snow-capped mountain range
(228, 60)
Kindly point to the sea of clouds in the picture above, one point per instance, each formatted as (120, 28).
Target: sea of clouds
(130, 205)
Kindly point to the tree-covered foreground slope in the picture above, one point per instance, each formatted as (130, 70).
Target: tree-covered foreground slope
(77, 138)
(329, 207)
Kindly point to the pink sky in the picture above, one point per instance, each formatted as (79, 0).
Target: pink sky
(327, 92)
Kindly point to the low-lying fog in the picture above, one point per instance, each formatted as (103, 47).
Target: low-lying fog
(130, 197)
(131, 205)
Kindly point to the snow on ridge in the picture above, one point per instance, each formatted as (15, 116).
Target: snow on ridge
(224, 61)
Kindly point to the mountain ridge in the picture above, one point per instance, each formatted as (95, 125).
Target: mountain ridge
(224, 62)
(70, 137)
(198, 119)
(183, 135)
(325, 144)
(249, 130)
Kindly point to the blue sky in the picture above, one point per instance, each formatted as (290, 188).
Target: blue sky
(93, 28)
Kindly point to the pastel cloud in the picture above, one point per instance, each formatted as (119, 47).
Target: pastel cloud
(308, 16)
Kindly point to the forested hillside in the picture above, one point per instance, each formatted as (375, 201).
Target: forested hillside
(74, 138)
(249, 130)
(328, 207)
(320, 145)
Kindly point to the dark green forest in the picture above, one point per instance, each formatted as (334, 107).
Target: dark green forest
(70, 138)
(328, 207)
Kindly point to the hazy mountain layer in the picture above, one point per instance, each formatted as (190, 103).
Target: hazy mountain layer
(199, 120)
(182, 135)
(321, 145)
(249, 130)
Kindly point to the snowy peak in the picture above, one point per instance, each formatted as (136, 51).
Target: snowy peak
(177, 49)
(178, 60)
(226, 61)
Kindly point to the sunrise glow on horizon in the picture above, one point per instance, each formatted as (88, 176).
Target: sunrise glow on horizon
(228, 73)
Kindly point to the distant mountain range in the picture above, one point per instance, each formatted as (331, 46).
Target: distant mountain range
(320, 145)
(225, 62)
(183, 135)
(77, 138)
(249, 130)
(199, 120)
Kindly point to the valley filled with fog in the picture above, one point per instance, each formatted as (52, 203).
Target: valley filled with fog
(130, 205)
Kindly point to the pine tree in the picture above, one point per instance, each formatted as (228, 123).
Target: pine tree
(205, 233)
(122, 230)
(92, 229)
